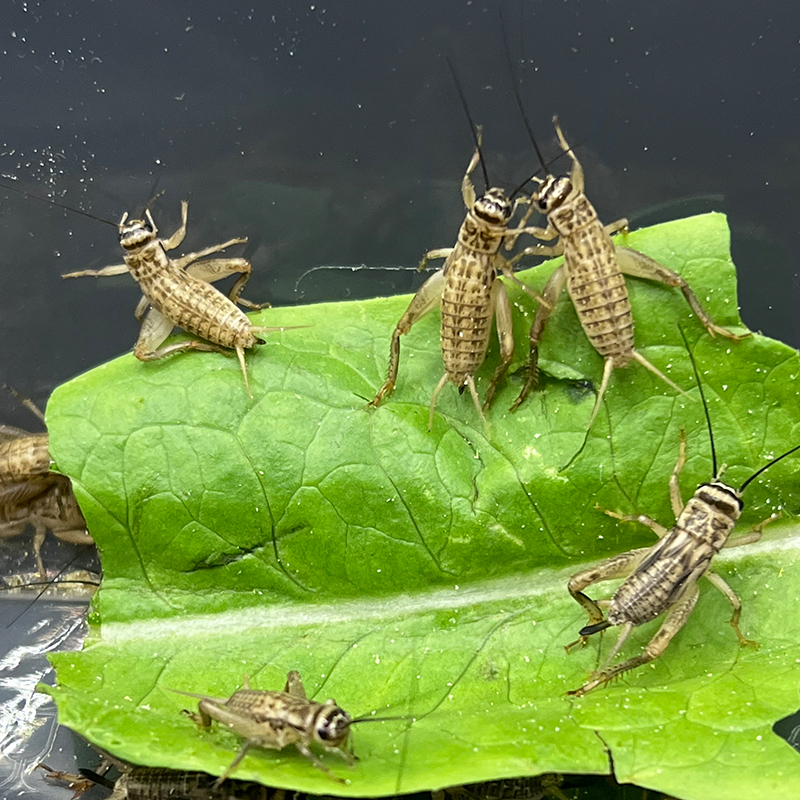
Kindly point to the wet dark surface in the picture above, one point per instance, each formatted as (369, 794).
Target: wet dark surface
(333, 136)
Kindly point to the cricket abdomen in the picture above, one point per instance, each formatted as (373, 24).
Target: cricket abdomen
(597, 288)
(24, 457)
(199, 308)
(466, 312)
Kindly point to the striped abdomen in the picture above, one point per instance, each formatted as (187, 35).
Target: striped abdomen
(466, 312)
(199, 308)
(24, 457)
(597, 288)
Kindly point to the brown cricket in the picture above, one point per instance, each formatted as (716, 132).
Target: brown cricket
(156, 783)
(54, 509)
(593, 271)
(663, 579)
(179, 292)
(274, 720)
(30, 494)
(467, 289)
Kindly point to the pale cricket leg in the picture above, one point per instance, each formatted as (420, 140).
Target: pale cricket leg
(423, 301)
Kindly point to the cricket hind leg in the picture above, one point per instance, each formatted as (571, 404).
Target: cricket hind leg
(504, 322)
(675, 619)
(638, 265)
(216, 269)
(551, 292)
(294, 684)
(155, 329)
(618, 566)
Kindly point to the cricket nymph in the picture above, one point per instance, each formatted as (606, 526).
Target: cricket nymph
(701, 530)
(469, 275)
(663, 579)
(178, 291)
(194, 305)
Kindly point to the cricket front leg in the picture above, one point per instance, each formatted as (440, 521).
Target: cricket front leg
(216, 269)
(675, 619)
(552, 290)
(505, 334)
(114, 269)
(674, 486)
(306, 751)
(432, 255)
(638, 265)
(177, 238)
(467, 187)
(423, 301)
(642, 519)
(235, 763)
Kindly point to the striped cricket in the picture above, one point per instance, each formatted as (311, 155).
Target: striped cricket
(663, 579)
(467, 289)
(178, 291)
(30, 494)
(274, 720)
(593, 271)
(156, 783)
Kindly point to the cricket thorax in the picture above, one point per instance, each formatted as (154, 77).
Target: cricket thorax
(134, 234)
(574, 215)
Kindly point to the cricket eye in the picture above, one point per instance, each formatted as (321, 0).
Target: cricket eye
(332, 727)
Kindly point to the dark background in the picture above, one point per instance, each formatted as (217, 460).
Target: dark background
(332, 135)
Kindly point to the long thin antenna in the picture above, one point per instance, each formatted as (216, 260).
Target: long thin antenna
(516, 90)
(47, 585)
(469, 119)
(54, 203)
(705, 405)
(767, 466)
(359, 720)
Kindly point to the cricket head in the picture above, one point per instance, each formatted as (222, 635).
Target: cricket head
(493, 207)
(554, 190)
(331, 725)
(134, 233)
(722, 497)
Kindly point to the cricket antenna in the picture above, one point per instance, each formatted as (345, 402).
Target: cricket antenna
(705, 405)
(767, 466)
(471, 123)
(359, 720)
(49, 202)
(515, 87)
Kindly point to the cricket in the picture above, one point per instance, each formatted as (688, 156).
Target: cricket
(663, 579)
(179, 292)
(274, 720)
(593, 272)
(467, 289)
(155, 783)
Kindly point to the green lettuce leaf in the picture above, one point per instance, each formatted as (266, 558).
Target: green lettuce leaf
(424, 573)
